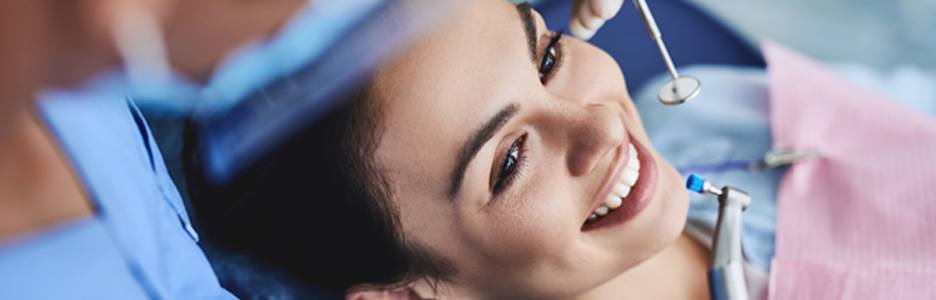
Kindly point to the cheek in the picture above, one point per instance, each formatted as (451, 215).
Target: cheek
(587, 72)
(534, 226)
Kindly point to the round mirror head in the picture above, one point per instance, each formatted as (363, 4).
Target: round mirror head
(679, 90)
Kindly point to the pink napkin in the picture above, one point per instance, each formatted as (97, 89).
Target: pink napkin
(859, 223)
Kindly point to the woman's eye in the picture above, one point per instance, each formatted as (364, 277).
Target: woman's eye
(509, 167)
(550, 58)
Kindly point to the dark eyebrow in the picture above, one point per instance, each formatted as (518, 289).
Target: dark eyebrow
(529, 27)
(474, 143)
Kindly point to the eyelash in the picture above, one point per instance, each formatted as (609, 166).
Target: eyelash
(512, 165)
(515, 158)
(552, 54)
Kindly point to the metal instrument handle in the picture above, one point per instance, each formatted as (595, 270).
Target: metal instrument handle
(726, 275)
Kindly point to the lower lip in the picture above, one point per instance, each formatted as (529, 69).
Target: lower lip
(638, 199)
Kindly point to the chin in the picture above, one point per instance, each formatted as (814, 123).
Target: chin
(672, 208)
(663, 222)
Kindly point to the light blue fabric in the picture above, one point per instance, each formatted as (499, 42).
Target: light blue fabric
(140, 243)
(728, 121)
(52, 265)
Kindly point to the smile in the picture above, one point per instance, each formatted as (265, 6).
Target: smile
(628, 192)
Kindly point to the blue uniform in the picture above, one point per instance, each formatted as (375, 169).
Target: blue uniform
(139, 244)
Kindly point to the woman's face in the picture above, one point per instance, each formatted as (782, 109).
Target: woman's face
(498, 159)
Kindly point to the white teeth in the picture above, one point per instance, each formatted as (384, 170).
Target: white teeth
(632, 169)
(601, 211)
(623, 188)
(633, 164)
(630, 177)
(613, 202)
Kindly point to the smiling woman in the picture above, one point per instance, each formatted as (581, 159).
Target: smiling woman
(466, 170)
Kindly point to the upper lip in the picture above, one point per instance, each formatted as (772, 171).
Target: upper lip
(615, 171)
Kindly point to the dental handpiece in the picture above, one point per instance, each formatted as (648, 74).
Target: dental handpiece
(726, 273)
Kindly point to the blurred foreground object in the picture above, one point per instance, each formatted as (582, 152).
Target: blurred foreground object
(589, 15)
(236, 136)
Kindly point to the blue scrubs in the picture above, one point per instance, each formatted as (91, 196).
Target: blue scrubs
(244, 72)
(139, 244)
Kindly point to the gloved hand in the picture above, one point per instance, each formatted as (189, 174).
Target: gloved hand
(589, 15)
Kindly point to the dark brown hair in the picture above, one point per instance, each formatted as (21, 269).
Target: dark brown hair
(316, 208)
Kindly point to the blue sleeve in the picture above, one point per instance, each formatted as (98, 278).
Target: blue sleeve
(74, 261)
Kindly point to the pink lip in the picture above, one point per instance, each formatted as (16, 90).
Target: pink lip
(639, 197)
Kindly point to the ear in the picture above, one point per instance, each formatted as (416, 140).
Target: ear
(375, 292)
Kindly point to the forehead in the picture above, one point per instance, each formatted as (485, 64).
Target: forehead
(445, 85)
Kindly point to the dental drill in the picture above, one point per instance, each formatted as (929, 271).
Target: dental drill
(726, 272)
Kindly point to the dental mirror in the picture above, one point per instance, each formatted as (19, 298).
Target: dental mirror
(678, 89)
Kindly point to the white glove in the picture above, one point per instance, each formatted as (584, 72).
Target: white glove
(589, 15)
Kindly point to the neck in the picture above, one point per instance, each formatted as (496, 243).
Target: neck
(677, 272)
(37, 188)
(201, 33)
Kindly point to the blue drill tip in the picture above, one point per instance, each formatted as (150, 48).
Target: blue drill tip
(695, 183)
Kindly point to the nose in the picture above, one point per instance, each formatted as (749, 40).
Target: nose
(587, 133)
(587, 109)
